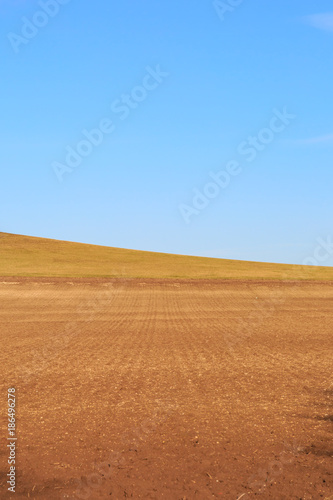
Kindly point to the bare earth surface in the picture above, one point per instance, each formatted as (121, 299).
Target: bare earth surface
(175, 389)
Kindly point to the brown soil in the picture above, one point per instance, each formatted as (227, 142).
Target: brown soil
(175, 389)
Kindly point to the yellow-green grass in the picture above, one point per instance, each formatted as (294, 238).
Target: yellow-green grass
(31, 256)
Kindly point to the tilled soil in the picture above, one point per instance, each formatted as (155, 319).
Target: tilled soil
(175, 389)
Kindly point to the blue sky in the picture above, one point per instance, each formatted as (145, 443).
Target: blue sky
(178, 90)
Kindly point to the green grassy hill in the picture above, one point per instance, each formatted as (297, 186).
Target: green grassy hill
(30, 256)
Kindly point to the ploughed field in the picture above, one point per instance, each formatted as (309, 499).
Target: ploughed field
(175, 389)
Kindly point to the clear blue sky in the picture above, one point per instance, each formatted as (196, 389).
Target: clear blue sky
(186, 87)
